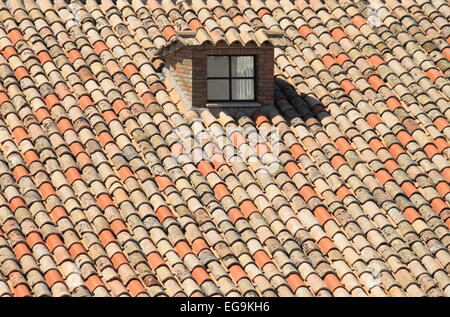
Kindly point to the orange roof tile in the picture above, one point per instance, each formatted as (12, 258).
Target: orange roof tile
(353, 154)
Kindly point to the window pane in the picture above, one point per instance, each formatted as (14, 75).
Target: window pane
(218, 89)
(218, 66)
(242, 66)
(243, 89)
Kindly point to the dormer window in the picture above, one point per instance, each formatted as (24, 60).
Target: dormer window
(231, 77)
(220, 75)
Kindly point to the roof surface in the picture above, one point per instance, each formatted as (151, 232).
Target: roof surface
(110, 186)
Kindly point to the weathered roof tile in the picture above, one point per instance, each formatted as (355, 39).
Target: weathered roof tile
(340, 188)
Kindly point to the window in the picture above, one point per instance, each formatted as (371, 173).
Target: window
(231, 78)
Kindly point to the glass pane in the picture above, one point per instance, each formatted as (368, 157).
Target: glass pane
(243, 89)
(242, 66)
(218, 66)
(218, 89)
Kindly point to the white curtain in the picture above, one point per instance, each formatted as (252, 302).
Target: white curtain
(242, 66)
(243, 89)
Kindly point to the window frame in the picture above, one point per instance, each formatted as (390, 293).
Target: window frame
(230, 78)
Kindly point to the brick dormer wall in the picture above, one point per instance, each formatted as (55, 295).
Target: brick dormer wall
(188, 65)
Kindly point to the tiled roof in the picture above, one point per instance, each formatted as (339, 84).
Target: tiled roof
(341, 188)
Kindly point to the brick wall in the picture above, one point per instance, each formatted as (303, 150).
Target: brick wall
(180, 63)
(189, 65)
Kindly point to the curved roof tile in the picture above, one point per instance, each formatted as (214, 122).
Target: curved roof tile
(109, 188)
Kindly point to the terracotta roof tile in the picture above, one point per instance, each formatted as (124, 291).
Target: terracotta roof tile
(122, 191)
